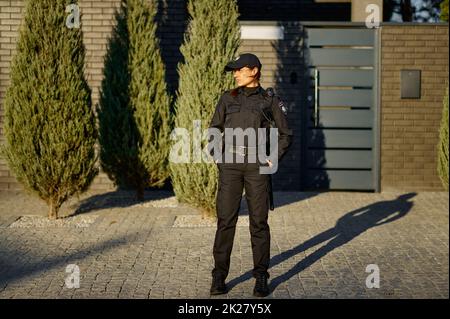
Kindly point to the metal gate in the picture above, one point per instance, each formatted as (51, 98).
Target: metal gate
(342, 144)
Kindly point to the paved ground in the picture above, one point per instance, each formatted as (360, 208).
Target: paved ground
(321, 246)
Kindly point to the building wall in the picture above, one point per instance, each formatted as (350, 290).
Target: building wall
(410, 127)
(10, 18)
(295, 10)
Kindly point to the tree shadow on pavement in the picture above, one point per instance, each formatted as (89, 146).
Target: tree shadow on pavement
(347, 228)
(10, 271)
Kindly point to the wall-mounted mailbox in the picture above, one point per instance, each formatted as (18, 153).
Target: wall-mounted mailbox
(410, 84)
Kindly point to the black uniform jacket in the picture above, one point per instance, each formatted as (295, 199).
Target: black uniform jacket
(238, 109)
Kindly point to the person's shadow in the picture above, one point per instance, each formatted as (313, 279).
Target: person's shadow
(347, 228)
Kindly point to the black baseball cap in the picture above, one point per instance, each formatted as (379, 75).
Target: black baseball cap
(246, 59)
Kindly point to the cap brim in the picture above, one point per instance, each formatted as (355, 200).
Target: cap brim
(234, 65)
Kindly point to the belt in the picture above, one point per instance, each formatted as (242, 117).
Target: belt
(242, 150)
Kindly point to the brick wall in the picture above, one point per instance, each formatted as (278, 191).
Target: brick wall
(410, 127)
(10, 18)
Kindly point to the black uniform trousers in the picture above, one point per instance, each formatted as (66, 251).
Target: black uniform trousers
(233, 177)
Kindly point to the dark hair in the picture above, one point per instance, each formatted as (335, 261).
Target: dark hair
(258, 75)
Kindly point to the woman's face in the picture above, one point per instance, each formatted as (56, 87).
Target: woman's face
(245, 76)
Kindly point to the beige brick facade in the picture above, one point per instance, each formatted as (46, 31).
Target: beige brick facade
(410, 127)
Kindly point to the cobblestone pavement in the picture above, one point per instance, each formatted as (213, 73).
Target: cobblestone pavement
(321, 246)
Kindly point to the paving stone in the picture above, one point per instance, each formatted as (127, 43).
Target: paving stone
(321, 246)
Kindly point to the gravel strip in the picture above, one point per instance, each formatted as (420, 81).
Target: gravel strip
(35, 221)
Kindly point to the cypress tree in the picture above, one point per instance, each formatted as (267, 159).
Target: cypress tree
(211, 41)
(443, 145)
(49, 123)
(134, 113)
(444, 11)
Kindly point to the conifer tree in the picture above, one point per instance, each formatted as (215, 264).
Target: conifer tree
(211, 41)
(444, 11)
(134, 112)
(49, 123)
(443, 145)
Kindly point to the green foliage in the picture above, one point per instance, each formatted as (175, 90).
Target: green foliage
(444, 10)
(134, 113)
(211, 41)
(443, 145)
(49, 123)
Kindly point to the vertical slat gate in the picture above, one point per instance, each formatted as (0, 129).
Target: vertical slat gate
(341, 107)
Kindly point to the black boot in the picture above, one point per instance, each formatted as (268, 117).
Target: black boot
(218, 286)
(261, 287)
